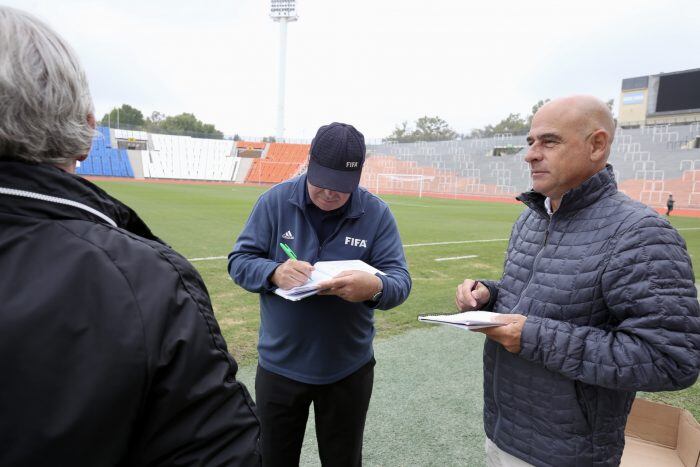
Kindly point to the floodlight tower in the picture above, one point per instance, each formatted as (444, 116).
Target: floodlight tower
(282, 11)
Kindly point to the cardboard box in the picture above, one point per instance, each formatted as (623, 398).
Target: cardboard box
(661, 436)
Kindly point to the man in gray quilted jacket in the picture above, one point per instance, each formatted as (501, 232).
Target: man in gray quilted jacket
(599, 298)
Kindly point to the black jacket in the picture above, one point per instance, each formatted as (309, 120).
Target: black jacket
(609, 293)
(109, 350)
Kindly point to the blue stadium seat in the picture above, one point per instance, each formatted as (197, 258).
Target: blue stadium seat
(105, 160)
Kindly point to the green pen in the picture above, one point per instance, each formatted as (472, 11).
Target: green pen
(289, 251)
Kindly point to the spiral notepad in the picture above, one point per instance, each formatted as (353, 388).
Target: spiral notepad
(467, 320)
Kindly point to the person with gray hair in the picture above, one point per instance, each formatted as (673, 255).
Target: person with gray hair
(597, 299)
(111, 351)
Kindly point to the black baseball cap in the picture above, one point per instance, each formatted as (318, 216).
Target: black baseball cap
(336, 158)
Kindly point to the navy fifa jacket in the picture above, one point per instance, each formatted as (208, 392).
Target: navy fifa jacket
(320, 339)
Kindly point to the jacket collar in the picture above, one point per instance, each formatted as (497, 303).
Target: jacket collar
(600, 185)
(51, 182)
(298, 198)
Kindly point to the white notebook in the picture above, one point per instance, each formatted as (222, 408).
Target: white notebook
(466, 320)
(324, 270)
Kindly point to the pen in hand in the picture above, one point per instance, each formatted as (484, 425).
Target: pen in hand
(471, 295)
(292, 272)
(288, 251)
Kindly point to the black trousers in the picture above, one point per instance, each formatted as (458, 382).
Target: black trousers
(340, 411)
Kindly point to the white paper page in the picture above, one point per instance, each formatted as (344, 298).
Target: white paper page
(324, 270)
(465, 320)
(305, 290)
(294, 295)
(333, 268)
(316, 277)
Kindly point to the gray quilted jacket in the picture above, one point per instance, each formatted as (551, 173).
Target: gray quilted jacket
(609, 293)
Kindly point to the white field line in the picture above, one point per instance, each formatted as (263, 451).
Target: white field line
(458, 242)
(689, 228)
(396, 203)
(209, 258)
(456, 257)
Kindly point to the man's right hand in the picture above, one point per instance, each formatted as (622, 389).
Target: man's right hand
(291, 273)
(471, 295)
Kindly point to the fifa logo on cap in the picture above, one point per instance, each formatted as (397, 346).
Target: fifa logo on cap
(351, 164)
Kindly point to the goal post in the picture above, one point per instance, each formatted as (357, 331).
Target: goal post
(401, 179)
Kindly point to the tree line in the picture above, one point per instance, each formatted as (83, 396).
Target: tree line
(436, 129)
(182, 124)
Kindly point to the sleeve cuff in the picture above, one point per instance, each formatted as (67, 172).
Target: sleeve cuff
(269, 286)
(372, 304)
(529, 339)
(493, 294)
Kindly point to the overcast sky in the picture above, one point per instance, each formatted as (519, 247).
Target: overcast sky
(372, 63)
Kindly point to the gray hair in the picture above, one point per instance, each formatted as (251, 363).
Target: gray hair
(44, 93)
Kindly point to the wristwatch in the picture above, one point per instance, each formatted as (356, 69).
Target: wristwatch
(378, 295)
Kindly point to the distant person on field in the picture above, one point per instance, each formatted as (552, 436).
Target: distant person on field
(669, 204)
(599, 298)
(319, 349)
(111, 354)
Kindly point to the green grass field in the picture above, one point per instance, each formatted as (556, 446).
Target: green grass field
(204, 220)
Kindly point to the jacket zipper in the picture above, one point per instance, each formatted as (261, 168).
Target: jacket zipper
(338, 228)
(310, 226)
(499, 348)
(56, 200)
(534, 263)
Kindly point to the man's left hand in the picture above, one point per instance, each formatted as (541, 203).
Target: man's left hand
(352, 286)
(509, 335)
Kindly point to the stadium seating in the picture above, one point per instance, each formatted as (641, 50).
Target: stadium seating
(457, 167)
(129, 134)
(649, 164)
(105, 160)
(250, 145)
(282, 161)
(183, 157)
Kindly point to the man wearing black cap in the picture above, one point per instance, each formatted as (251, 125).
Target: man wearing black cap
(319, 350)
